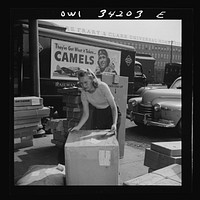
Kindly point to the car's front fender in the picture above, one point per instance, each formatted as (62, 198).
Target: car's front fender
(170, 110)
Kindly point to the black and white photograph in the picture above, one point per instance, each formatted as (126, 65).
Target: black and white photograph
(98, 101)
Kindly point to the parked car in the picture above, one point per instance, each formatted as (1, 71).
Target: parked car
(158, 107)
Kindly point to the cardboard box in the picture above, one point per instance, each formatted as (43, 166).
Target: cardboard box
(168, 148)
(43, 175)
(24, 114)
(91, 158)
(34, 107)
(28, 101)
(22, 142)
(27, 121)
(156, 160)
(21, 126)
(25, 131)
(170, 175)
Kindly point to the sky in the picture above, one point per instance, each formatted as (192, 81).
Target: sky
(168, 30)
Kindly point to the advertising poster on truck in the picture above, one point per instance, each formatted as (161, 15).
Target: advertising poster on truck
(68, 57)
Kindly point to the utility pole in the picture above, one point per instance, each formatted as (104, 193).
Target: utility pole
(34, 56)
(171, 53)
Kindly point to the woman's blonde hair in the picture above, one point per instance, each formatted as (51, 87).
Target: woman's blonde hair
(90, 74)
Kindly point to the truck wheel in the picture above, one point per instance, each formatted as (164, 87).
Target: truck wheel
(179, 127)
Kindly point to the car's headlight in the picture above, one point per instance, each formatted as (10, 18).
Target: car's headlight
(157, 107)
(134, 103)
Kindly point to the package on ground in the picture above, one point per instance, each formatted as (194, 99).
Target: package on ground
(28, 101)
(23, 134)
(156, 160)
(91, 158)
(23, 141)
(44, 175)
(170, 175)
(23, 137)
(172, 148)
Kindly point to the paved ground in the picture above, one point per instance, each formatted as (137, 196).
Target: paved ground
(43, 152)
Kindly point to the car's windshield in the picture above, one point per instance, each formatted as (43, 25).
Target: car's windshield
(176, 84)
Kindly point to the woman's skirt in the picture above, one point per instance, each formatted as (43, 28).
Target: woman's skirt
(103, 119)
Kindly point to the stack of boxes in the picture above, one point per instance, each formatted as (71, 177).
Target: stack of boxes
(162, 154)
(59, 130)
(28, 112)
(73, 107)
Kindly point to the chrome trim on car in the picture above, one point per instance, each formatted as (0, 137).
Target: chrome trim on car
(147, 120)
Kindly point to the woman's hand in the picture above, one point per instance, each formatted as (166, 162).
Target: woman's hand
(114, 128)
(76, 128)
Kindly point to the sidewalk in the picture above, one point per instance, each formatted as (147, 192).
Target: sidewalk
(43, 152)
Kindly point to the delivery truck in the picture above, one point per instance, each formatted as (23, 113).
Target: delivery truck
(148, 64)
(61, 54)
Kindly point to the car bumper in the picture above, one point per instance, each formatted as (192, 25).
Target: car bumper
(146, 120)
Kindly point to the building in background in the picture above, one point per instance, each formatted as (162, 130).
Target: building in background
(159, 51)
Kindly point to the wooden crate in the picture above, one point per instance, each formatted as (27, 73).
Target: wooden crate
(170, 175)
